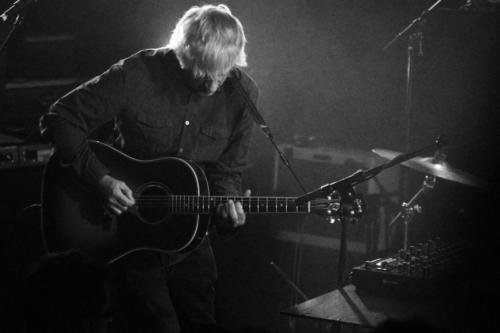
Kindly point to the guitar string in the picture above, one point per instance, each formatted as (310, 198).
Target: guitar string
(203, 200)
(212, 198)
(185, 201)
(264, 204)
(218, 197)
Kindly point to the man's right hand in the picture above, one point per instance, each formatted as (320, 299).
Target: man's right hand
(118, 196)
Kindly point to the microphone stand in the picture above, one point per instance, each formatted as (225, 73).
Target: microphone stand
(17, 22)
(420, 19)
(14, 14)
(361, 176)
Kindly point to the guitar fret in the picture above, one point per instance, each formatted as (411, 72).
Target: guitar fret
(199, 204)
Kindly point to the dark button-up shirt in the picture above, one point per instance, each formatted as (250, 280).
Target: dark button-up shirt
(157, 114)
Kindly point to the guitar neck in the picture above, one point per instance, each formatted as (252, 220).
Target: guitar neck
(191, 204)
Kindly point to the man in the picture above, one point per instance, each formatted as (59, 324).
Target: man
(181, 101)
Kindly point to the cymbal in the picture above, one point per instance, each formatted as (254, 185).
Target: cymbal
(440, 169)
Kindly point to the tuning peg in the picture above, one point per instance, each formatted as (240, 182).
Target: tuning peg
(359, 205)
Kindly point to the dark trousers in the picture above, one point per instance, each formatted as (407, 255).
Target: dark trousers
(158, 293)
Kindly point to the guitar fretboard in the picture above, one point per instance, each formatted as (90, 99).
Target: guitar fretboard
(191, 204)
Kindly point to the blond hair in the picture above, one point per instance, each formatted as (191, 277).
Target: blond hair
(208, 40)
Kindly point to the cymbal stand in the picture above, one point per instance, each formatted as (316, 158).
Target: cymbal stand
(408, 209)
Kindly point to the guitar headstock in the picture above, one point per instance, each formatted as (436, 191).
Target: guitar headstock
(325, 206)
(346, 204)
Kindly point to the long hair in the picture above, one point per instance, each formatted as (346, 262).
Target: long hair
(209, 39)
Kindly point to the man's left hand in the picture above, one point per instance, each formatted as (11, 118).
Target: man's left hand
(232, 213)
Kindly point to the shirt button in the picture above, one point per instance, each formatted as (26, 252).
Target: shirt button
(181, 150)
(186, 123)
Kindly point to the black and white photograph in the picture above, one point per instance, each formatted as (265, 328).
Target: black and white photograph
(281, 166)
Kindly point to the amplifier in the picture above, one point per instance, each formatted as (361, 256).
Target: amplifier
(9, 157)
(336, 163)
(23, 155)
(37, 154)
(316, 166)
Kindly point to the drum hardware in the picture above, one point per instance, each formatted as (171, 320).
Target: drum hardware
(408, 209)
(434, 166)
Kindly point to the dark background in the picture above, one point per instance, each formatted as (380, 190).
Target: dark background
(324, 82)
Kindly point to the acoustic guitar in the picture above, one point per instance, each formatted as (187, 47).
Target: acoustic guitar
(171, 214)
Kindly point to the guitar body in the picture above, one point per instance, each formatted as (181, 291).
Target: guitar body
(73, 216)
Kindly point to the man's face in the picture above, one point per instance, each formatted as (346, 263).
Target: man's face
(208, 83)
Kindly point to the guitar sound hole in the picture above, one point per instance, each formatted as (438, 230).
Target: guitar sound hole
(152, 207)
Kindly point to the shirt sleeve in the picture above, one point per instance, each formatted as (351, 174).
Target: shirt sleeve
(225, 174)
(73, 117)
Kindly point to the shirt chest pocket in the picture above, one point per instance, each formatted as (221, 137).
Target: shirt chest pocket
(156, 128)
(211, 142)
(153, 120)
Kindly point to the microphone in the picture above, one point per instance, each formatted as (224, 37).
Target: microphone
(15, 9)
